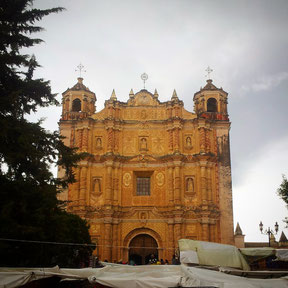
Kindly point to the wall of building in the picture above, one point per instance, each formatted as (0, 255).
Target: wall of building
(186, 156)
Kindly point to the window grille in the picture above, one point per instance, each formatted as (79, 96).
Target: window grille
(143, 186)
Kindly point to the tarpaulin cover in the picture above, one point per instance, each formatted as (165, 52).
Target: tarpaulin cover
(120, 276)
(254, 254)
(282, 254)
(146, 276)
(214, 254)
(258, 252)
(16, 277)
(196, 277)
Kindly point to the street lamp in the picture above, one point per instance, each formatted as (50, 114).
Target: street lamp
(268, 231)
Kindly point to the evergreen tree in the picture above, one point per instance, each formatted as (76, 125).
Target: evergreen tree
(283, 193)
(29, 208)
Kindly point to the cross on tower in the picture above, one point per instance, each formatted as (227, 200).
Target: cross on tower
(80, 69)
(209, 71)
(144, 77)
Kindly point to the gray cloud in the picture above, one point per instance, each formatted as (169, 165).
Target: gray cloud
(245, 42)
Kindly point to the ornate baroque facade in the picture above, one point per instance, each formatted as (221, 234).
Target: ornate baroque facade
(156, 172)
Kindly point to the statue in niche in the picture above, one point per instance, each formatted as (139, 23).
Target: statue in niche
(190, 185)
(96, 186)
(98, 143)
(143, 144)
(95, 191)
(188, 142)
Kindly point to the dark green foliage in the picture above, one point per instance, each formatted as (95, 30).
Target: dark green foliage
(283, 193)
(29, 208)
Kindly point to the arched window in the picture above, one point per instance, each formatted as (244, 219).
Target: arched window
(76, 105)
(212, 105)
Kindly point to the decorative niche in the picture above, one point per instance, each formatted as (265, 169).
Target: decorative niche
(96, 186)
(188, 142)
(190, 186)
(143, 143)
(98, 143)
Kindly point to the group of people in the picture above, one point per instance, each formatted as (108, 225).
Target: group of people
(154, 260)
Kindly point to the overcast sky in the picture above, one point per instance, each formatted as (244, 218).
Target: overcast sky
(244, 42)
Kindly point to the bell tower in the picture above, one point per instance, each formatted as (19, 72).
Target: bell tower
(78, 102)
(211, 102)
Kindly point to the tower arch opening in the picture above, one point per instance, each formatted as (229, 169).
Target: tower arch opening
(76, 105)
(211, 105)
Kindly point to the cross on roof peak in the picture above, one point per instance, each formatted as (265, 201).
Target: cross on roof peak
(80, 69)
(209, 71)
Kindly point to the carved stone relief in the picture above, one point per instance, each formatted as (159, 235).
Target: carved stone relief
(143, 114)
(129, 145)
(127, 179)
(158, 145)
(160, 179)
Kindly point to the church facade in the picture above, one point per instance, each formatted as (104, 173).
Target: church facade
(155, 173)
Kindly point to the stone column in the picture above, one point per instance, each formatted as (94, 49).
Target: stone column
(177, 232)
(83, 182)
(202, 139)
(170, 187)
(115, 244)
(110, 140)
(207, 140)
(115, 185)
(72, 137)
(116, 140)
(108, 184)
(84, 108)
(205, 230)
(203, 183)
(177, 185)
(76, 186)
(209, 185)
(170, 140)
(212, 232)
(79, 138)
(176, 139)
(171, 242)
(85, 139)
(107, 240)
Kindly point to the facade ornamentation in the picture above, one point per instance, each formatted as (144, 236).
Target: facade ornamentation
(155, 173)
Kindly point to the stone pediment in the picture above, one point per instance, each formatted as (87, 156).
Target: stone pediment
(143, 98)
(142, 158)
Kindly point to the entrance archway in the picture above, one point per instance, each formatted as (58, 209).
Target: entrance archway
(141, 247)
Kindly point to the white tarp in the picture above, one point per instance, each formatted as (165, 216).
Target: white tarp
(209, 253)
(282, 254)
(145, 276)
(148, 276)
(196, 277)
(16, 277)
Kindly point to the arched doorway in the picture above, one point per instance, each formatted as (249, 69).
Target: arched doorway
(141, 247)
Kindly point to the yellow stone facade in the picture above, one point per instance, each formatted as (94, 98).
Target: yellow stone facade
(184, 155)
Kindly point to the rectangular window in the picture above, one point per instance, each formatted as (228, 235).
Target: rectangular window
(143, 186)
